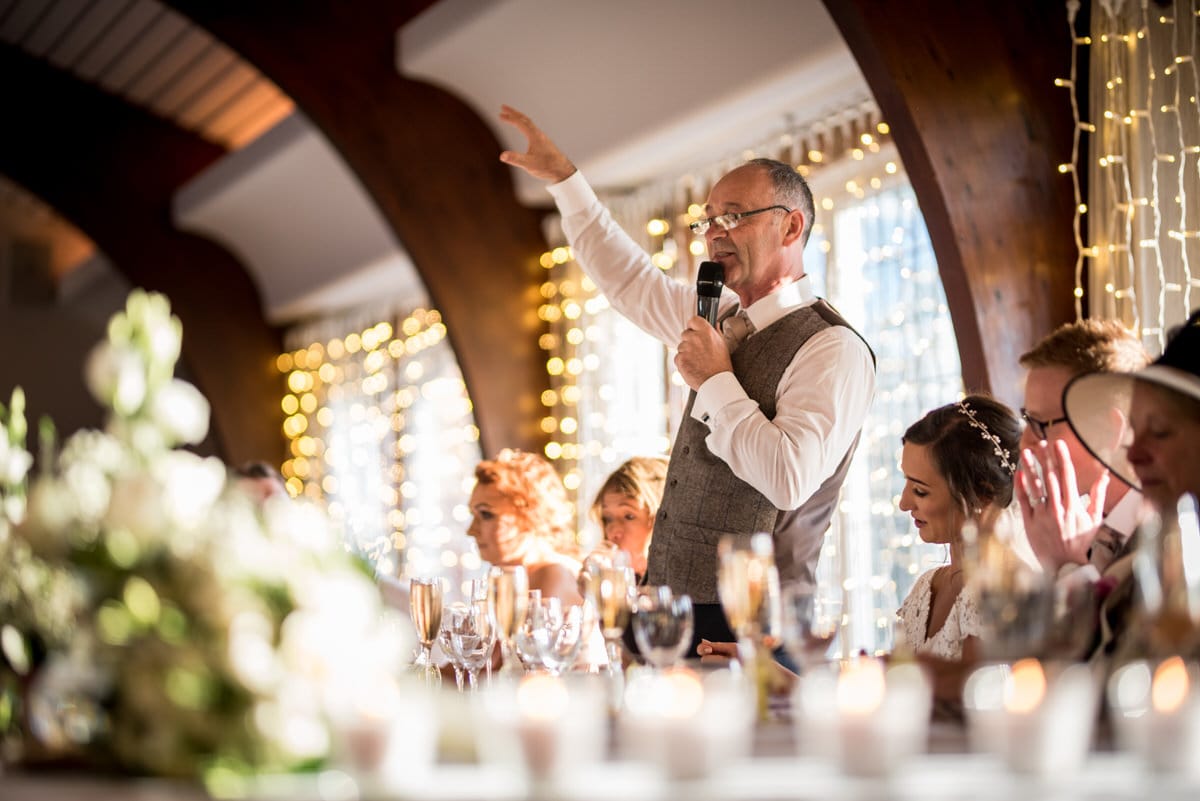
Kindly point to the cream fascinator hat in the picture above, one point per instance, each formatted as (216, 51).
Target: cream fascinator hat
(1097, 404)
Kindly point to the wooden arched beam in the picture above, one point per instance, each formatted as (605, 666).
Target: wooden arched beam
(431, 165)
(968, 91)
(111, 169)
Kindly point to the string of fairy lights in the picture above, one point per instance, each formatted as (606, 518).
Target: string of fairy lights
(381, 431)
(1144, 149)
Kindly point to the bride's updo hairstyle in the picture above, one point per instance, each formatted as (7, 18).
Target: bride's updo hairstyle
(530, 482)
(975, 445)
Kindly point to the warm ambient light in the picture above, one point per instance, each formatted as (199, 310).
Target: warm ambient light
(861, 687)
(1170, 688)
(1026, 687)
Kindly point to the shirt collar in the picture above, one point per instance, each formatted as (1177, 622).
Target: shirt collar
(1123, 519)
(781, 302)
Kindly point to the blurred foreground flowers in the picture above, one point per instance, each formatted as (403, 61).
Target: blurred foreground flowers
(153, 619)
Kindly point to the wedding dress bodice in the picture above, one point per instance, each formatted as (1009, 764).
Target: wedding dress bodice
(946, 642)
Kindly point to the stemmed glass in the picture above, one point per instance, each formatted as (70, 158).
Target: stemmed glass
(748, 585)
(425, 607)
(662, 625)
(525, 644)
(810, 624)
(508, 593)
(452, 613)
(468, 638)
(559, 632)
(613, 590)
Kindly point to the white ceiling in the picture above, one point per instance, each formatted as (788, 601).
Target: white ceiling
(636, 90)
(633, 91)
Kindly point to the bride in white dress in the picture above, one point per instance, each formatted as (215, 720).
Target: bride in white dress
(958, 463)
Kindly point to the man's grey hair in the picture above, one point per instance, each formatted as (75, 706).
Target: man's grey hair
(791, 190)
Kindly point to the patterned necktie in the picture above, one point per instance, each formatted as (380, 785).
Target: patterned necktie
(1106, 547)
(735, 328)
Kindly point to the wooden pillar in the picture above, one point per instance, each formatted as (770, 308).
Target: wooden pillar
(431, 164)
(968, 90)
(112, 169)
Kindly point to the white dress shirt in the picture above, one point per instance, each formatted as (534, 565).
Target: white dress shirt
(823, 395)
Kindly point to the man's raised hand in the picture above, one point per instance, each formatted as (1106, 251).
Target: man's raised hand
(542, 159)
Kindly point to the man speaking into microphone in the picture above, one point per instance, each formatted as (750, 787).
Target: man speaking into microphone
(780, 387)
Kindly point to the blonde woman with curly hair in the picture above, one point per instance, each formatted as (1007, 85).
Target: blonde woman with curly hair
(520, 515)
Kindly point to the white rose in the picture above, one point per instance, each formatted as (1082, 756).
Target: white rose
(116, 378)
(137, 506)
(49, 516)
(14, 463)
(181, 412)
(191, 485)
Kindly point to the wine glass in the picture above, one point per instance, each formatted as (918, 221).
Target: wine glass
(526, 645)
(425, 607)
(559, 633)
(469, 638)
(662, 625)
(810, 624)
(451, 615)
(508, 593)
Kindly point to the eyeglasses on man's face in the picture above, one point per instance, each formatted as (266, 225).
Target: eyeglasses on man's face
(727, 222)
(1038, 427)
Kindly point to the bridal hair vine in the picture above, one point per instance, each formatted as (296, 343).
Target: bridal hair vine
(1006, 460)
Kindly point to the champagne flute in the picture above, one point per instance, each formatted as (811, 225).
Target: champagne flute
(613, 591)
(748, 586)
(508, 593)
(425, 607)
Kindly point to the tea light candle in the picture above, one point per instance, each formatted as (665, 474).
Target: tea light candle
(883, 717)
(1039, 724)
(688, 727)
(1159, 717)
(541, 704)
(549, 725)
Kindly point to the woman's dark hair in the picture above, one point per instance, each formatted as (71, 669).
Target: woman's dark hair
(974, 444)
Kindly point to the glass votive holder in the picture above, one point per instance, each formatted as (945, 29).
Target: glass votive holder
(815, 712)
(1155, 712)
(549, 727)
(1038, 719)
(689, 726)
(881, 716)
(386, 730)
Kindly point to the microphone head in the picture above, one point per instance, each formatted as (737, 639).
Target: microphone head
(710, 280)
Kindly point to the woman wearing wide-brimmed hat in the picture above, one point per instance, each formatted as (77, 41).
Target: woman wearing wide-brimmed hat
(1146, 425)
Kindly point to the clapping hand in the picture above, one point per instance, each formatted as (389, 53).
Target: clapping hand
(542, 159)
(1059, 524)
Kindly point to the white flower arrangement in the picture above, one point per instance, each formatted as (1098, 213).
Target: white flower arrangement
(156, 620)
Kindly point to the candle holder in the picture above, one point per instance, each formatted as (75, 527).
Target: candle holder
(1155, 711)
(551, 727)
(1038, 719)
(880, 716)
(689, 727)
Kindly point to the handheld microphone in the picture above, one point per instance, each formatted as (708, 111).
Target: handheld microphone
(710, 280)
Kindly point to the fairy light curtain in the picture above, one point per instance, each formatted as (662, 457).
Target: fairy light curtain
(381, 430)
(616, 393)
(1140, 126)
